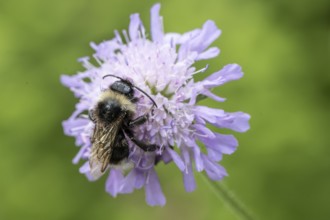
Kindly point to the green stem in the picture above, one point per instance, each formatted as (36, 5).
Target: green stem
(229, 199)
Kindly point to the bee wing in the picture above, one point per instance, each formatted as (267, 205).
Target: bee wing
(103, 141)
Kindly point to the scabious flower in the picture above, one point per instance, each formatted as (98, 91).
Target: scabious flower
(162, 66)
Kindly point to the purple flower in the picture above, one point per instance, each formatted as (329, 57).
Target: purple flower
(163, 67)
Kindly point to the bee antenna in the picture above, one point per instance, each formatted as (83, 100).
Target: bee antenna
(113, 76)
(132, 86)
(146, 95)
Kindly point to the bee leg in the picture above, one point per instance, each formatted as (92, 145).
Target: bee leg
(138, 121)
(141, 119)
(142, 145)
(91, 115)
(134, 100)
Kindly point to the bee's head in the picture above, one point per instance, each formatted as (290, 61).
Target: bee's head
(126, 88)
(123, 87)
(108, 110)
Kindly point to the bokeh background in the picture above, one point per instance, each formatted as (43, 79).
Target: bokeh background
(281, 169)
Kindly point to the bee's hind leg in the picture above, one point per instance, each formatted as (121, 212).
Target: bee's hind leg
(138, 121)
(141, 144)
(144, 146)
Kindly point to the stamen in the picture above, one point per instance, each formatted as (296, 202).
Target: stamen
(97, 60)
(126, 36)
(201, 70)
(118, 38)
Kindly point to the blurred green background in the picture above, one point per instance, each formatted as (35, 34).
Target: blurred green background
(281, 169)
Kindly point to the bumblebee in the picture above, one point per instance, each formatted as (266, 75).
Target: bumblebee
(113, 118)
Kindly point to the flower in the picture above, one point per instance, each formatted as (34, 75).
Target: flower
(163, 67)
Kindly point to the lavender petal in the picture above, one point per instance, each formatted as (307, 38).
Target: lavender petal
(213, 170)
(134, 27)
(208, 54)
(214, 155)
(221, 143)
(156, 24)
(154, 194)
(236, 121)
(139, 178)
(199, 165)
(128, 182)
(176, 158)
(189, 179)
(228, 73)
(209, 33)
(114, 181)
(85, 169)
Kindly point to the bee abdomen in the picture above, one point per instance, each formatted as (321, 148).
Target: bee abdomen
(119, 153)
(120, 150)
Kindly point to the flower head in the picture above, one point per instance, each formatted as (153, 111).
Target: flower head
(163, 67)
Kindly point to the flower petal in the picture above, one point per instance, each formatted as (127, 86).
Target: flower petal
(133, 180)
(222, 143)
(199, 165)
(114, 181)
(156, 24)
(189, 179)
(106, 50)
(166, 157)
(237, 121)
(208, 54)
(227, 73)
(214, 155)
(209, 33)
(188, 174)
(80, 154)
(134, 27)
(202, 130)
(213, 170)
(85, 169)
(209, 114)
(154, 194)
(176, 158)
(76, 128)
(128, 183)
(70, 81)
(139, 178)
(213, 96)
